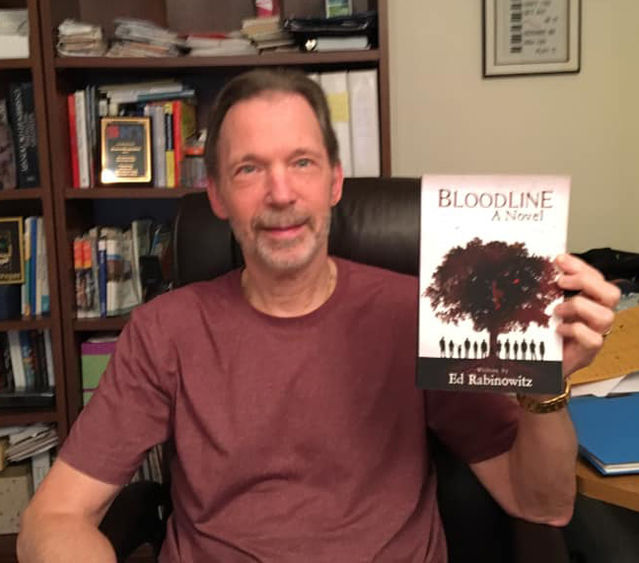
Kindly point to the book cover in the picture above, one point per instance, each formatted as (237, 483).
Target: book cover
(21, 111)
(169, 146)
(488, 283)
(73, 141)
(8, 179)
(184, 128)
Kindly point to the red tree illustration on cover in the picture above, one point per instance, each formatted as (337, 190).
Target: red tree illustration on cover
(500, 287)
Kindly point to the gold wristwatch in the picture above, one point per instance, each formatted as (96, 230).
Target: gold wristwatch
(549, 405)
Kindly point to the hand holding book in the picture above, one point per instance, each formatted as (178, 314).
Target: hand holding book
(587, 316)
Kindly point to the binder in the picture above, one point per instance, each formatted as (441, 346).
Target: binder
(607, 432)
(335, 87)
(364, 113)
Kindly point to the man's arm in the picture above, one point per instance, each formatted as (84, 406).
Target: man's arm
(535, 479)
(61, 522)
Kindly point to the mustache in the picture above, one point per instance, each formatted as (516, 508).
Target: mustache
(278, 219)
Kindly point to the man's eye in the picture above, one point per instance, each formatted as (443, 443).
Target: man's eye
(245, 169)
(303, 162)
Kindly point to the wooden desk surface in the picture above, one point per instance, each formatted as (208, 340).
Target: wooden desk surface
(622, 490)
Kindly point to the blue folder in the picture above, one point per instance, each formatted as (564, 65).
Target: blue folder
(608, 432)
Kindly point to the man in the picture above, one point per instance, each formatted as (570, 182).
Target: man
(287, 387)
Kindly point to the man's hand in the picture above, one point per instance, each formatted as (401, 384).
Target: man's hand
(587, 316)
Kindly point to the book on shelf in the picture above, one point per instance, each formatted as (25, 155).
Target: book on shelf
(170, 106)
(109, 267)
(8, 178)
(14, 36)
(26, 368)
(95, 354)
(335, 86)
(488, 283)
(21, 112)
(35, 298)
(607, 432)
(364, 119)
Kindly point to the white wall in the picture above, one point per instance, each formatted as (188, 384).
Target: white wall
(447, 119)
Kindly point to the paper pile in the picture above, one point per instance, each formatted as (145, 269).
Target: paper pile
(14, 34)
(142, 38)
(80, 39)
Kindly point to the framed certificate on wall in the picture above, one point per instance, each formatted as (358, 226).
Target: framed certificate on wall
(531, 37)
(125, 155)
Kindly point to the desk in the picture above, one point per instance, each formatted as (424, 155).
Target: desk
(622, 490)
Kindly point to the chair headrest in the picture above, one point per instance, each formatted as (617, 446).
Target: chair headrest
(376, 223)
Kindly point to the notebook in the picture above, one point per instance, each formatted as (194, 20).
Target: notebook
(608, 432)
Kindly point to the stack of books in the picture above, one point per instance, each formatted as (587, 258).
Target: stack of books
(118, 269)
(267, 33)
(169, 105)
(26, 368)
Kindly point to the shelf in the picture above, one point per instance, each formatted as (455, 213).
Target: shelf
(129, 193)
(37, 323)
(21, 417)
(21, 193)
(269, 59)
(11, 64)
(109, 323)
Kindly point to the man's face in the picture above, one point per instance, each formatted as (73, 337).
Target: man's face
(275, 182)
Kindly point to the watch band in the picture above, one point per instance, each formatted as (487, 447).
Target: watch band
(549, 405)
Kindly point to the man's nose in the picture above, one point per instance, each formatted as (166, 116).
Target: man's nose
(279, 189)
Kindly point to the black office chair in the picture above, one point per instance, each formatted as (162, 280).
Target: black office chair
(377, 223)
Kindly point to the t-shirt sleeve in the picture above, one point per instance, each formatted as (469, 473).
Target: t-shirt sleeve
(131, 409)
(474, 426)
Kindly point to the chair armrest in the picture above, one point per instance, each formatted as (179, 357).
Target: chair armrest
(133, 518)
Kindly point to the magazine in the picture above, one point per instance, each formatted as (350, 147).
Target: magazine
(488, 283)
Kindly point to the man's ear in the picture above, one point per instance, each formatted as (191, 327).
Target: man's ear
(337, 184)
(216, 201)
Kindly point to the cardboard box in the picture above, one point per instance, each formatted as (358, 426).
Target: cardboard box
(15, 491)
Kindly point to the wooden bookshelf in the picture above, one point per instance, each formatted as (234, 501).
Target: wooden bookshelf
(16, 64)
(76, 208)
(36, 201)
(21, 194)
(245, 61)
(129, 193)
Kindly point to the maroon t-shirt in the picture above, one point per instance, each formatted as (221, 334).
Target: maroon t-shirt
(297, 439)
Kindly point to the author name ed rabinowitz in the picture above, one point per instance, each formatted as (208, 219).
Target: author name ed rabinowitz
(488, 377)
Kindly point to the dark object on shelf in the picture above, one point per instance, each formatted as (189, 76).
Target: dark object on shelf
(27, 399)
(9, 302)
(153, 282)
(377, 223)
(614, 264)
(304, 29)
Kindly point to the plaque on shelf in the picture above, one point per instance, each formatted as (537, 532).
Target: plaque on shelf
(11, 252)
(125, 155)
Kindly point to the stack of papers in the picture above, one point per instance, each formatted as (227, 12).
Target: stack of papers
(607, 432)
(267, 33)
(14, 34)
(31, 440)
(219, 45)
(80, 39)
(142, 38)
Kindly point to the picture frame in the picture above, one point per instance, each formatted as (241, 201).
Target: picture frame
(525, 37)
(125, 150)
(11, 250)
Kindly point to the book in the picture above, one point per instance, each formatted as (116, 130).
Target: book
(95, 355)
(21, 110)
(73, 141)
(48, 355)
(169, 153)
(82, 138)
(8, 178)
(488, 283)
(17, 367)
(40, 465)
(364, 113)
(336, 89)
(607, 432)
(184, 129)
